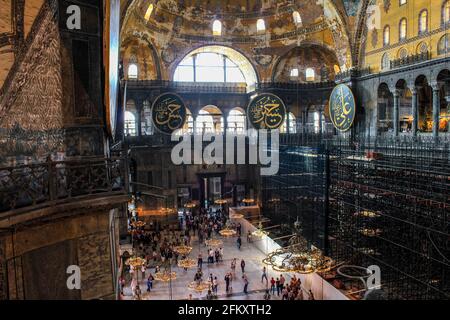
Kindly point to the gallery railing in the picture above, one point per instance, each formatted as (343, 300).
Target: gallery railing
(35, 184)
(412, 59)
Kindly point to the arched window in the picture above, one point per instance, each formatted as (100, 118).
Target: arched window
(386, 35)
(236, 121)
(149, 11)
(446, 12)
(403, 28)
(385, 62)
(297, 18)
(188, 127)
(294, 73)
(402, 2)
(402, 53)
(260, 26)
(209, 67)
(130, 124)
(310, 74)
(422, 48)
(292, 124)
(217, 28)
(443, 45)
(423, 21)
(132, 71)
(205, 122)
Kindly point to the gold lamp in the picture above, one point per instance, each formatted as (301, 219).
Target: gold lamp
(187, 263)
(182, 250)
(135, 262)
(213, 243)
(165, 276)
(199, 286)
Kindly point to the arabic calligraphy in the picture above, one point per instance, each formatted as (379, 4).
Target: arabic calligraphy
(342, 107)
(266, 111)
(168, 113)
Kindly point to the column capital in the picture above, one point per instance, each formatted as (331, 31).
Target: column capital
(436, 86)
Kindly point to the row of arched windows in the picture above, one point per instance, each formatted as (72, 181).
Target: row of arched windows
(422, 24)
(443, 47)
(260, 24)
(208, 121)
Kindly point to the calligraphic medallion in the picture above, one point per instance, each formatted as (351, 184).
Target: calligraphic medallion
(168, 113)
(342, 107)
(266, 111)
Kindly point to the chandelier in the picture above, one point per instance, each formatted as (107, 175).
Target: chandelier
(182, 250)
(136, 262)
(165, 276)
(298, 256)
(187, 263)
(138, 224)
(221, 201)
(213, 243)
(199, 286)
(259, 233)
(248, 200)
(227, 232)
(236, 216)
(190, 205)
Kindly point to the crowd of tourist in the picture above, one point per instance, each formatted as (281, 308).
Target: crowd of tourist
(157, 248)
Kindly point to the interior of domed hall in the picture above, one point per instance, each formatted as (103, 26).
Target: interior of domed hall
(224, 150)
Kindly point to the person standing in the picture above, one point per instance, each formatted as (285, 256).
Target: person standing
(243, 265)
(264, 275)
(282, 281)
(233, 268)
(272, 285)
(149, 283)
(215, 286)
(200, 261)
(311, 295)
(277, 282)
(227, 282)
(245, 284)
(239, 242)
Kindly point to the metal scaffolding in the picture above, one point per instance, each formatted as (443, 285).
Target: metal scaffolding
(363, 202)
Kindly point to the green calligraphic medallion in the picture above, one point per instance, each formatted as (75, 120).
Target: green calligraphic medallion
(168, 113)
(266, 111)
(342, 107)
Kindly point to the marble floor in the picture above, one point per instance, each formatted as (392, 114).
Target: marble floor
(179, 287)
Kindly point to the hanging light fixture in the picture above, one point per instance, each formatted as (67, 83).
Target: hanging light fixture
(199, 286)
(213, 243)
(187, 263)
(136, 262)
(259, 233)
(165, 276)
(227, 231)
(221, 202)
(298, 256)
(248, 200)
(182, 250)
(138, 224)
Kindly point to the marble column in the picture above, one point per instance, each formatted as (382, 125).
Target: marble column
(139, 108)
(414, 111)
(396, 111)
(436, 109)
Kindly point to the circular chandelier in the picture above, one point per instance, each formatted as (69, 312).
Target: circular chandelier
(298, 256)
(190, 205)
(259, 233)
(187, 263)
(138, 224)
(199, 286)
(226, 232)
(213, 243)
(248, 200)
(182, 250)
(221, 201)
(236, 216)
(136, 262)
(165, 276)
